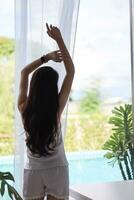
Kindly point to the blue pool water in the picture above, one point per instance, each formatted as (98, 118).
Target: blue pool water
(84, 167)
(91, 167)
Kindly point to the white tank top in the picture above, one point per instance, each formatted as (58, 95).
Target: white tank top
(57, 158)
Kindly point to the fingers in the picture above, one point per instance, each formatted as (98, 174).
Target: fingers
(47, 26)
(53, 31)
(59, 60)
(51, 27)
(59, 56)
(59, 53)
(49, 31)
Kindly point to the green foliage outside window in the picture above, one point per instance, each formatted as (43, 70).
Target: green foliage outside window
(7, 47)
(90, 103)
(6, 95)
(87, 128)
(87, 132)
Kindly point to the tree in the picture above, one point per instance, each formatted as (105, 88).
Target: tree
(7, 47)
(90, 102)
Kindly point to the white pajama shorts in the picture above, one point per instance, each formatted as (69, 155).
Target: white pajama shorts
(38, 183)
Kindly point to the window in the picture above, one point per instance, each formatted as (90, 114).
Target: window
(102, 81)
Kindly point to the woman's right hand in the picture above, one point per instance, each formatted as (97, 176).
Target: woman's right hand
(56, 56)
(53, 32)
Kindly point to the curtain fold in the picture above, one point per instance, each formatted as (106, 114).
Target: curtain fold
(31, 42)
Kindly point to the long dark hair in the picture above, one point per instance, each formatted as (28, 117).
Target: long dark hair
(40, 113)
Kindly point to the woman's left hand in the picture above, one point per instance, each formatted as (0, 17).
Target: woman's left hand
(56, 56)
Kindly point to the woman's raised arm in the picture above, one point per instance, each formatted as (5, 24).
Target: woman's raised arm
(22, 98)
(55, 33)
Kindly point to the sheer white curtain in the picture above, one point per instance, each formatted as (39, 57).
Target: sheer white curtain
(31, 42)
(131, 6)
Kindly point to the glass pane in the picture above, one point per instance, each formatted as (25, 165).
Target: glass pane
(102, 81)
(7, 47)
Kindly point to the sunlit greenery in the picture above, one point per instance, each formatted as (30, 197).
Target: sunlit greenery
(6, 95)
(87, 132)
(7, 144)
(88, 127)
(90, 103)
(7, 47)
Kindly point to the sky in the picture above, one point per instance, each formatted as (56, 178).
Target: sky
(7, 18)
(102, 48)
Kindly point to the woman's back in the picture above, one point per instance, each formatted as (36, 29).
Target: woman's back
(54, 158)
